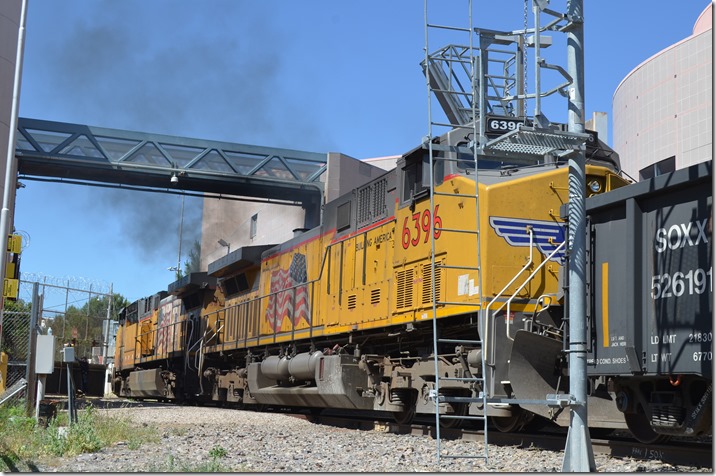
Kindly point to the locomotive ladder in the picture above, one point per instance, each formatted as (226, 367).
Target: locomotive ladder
(460, 108)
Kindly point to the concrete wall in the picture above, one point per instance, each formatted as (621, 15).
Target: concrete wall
(663, 108)
(346, 173)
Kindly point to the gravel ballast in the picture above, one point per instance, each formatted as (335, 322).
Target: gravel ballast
(245, 441)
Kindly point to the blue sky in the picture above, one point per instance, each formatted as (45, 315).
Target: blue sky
(315, 75)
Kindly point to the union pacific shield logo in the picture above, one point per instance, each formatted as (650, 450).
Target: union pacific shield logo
(548, 235)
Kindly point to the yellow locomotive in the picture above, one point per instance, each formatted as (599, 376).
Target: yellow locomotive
(341, 316)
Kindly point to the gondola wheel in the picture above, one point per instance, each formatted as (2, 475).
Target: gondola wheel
(512, 423)
(640, 427)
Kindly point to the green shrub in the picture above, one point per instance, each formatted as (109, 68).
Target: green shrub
(172, 465)
(21, 439)
(217, 452)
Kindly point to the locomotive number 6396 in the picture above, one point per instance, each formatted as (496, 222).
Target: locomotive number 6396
(420, 228)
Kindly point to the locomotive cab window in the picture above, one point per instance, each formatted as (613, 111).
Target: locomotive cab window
(235, 284)
(415, 176)
(129, 314)
(343, 216)
(192, 301)
(466, 163)
(122, 318)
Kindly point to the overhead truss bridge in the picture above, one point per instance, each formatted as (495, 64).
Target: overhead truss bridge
(94, 155)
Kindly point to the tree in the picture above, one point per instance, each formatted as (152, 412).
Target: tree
(83, 326)
(193, 264)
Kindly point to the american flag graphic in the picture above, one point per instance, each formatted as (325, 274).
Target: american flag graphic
(166, 317)
(285, 300)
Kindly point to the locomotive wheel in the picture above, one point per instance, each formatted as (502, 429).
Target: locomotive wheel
(538, 422)
(512, 423)
(406, 416)
(407, 398)
(313, 414)
(460, 410)
(640, 427)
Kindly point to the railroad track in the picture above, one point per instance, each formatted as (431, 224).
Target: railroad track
(676, 453)
(686, 453)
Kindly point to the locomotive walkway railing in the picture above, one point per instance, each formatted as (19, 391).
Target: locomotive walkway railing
(253, 309)
(174, 337)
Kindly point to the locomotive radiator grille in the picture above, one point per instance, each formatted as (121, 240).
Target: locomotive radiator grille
(427, 283)
(404, 288)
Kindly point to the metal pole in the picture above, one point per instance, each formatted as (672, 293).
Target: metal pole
(64, 315)
(578, 452)
(181, 225)
(105, 337)
(41, 384)
(520, 74)
(30, 375)
(89, 315)
(538, 72)
(11, 164)
(71, 411)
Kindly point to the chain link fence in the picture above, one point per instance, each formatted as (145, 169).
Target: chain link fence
(77, 312)
(16, 344)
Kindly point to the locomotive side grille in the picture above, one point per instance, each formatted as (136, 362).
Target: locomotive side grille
(352, 301)
(364, 212)
(427, 283)
(253, 318)
(404, 288)
(371, 203)
(375, 296)
(232, 324)
(379, 190)
(241, 317)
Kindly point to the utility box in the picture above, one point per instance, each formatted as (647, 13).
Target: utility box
(45, 354)
(68, 354)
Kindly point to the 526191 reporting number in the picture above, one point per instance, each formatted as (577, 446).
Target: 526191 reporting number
(696, 281)
(421, 227)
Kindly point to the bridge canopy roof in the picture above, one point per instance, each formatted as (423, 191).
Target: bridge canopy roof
(95, 154)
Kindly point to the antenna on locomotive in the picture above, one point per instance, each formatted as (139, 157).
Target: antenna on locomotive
(578, 452)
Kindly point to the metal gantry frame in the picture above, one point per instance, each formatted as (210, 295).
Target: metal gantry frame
(474, 84)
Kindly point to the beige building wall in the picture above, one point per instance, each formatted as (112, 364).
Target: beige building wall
(10, 11)
(385, 163)
(663, 108)
(231, 221)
